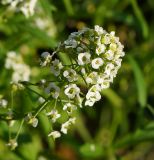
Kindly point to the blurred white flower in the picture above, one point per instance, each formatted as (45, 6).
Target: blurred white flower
(28, 8)
(3, 103)
(56, 67)
(12, 144)
(53, 89)
(25, 6)
(21, 71)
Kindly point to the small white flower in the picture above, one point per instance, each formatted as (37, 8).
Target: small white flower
(104, 81)
(113, 47)
(105, 85)
(109, 67)
(71, 75)
(55, 134)
(47, 59)
(112, 33)
(97, 62)
(31, 120)
(99, 30)
(65, 126)
(56, 67)
(109, 55)
(94, 88)
(100, 49)
(84, 58)
(93, 95)
(92, 78)
(71, 90)
(106, 39)
(69, 108)
(53, 89)
(54, 115)
(118, 62)
(89, 103)
(34, 122)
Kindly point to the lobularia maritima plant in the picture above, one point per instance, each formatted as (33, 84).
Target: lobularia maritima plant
(94, 59)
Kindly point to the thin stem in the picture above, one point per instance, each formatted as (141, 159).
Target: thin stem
(25, 83)
(41, 108)
(55, 103)
(21, 124)
(83, 79)
(12, 98)
(9, 130)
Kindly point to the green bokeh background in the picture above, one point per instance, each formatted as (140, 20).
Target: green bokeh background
(121, 125)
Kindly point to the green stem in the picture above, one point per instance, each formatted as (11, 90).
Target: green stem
(12, 94)
(41, 107)
(22, 122)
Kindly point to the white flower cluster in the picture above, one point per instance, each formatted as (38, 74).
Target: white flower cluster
(21, 71)
(25, 6)
(95, 57)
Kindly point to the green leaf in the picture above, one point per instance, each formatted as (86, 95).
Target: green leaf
(113, 97)
(82, 129)
(29, 151)
(69, 7)
(141, 19)
(140, 82)
(138, 136)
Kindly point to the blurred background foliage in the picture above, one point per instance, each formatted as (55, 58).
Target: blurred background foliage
(121, 125)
